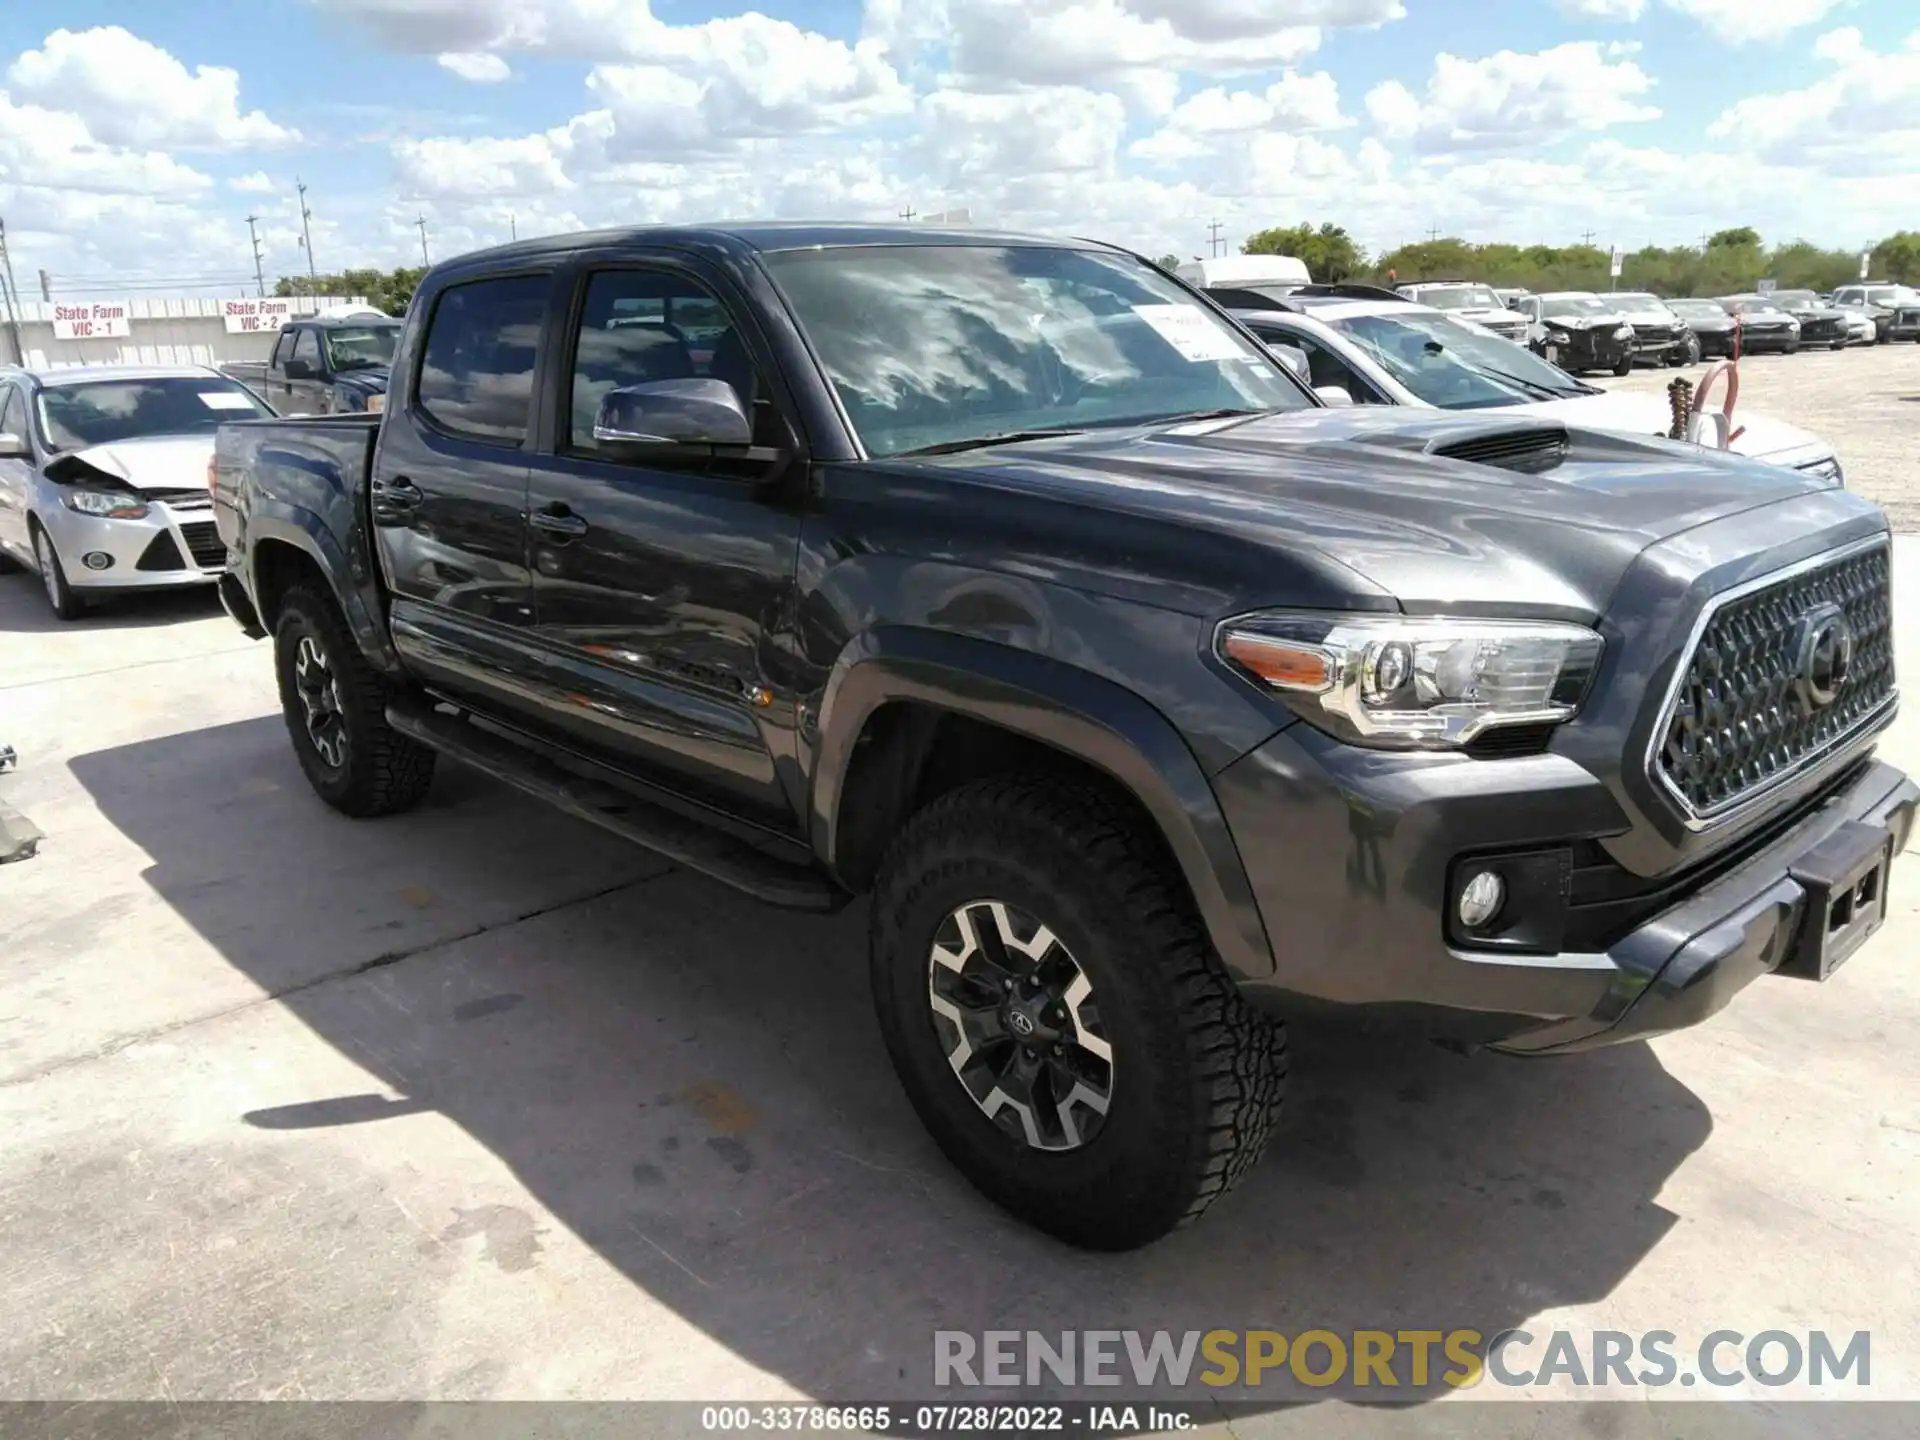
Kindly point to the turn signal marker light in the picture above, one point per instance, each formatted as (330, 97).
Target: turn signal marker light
(1283, 664)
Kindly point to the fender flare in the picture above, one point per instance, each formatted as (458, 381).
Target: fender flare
(1067, 708)
(303, 530)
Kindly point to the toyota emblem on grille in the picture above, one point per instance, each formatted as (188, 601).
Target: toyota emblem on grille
(1824, 655)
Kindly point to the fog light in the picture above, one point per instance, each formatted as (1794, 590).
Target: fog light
(97, 560)
(1481, 899)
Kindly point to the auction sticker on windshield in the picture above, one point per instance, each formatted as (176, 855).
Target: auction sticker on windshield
(1193, 333)
(225, 400)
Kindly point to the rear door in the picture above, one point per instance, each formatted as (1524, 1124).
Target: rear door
(664, 583)
(449, 487)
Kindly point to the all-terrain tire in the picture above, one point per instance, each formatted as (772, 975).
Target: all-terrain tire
(374, 770)
(1625, 367)
(1197, 1074)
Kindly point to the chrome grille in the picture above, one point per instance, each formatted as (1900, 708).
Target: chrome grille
(1738, 721)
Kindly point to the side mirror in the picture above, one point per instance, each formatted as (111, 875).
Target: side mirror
(299, 370)
(673, 412)
(1291, 356)
(14, 447)
(1334, 395)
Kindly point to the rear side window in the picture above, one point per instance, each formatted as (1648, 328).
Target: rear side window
(13, 420)
(476, 369)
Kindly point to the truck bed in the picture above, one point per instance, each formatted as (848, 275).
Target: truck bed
(311, 471)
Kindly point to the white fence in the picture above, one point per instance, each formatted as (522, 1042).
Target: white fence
(176, 330)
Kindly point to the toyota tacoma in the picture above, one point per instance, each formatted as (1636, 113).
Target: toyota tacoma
(1012, 585)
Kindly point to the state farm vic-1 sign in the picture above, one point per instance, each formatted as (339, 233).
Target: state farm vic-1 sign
(249, 317)
(102, 320)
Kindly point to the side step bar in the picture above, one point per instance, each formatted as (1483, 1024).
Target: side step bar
(674, 836)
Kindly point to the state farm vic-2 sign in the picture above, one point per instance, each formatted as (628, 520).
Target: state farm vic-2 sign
(102, 320)
(249, 317)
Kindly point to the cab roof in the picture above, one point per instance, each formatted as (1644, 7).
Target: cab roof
(770, 236)
(85, 374)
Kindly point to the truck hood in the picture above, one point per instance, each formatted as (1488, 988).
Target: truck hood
(1350, 507)
(372, 381)
(148, 466)
(1762, 438)
(1586, 322)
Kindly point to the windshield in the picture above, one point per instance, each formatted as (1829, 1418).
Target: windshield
(1448, 365)
(100, 412)
(1576, 305)
(1751, 307)
(1802, 298)
(1698, 309)
(942, 345)
(361, 347)
(1890, 295)
(1638, 300)
(1460, 297)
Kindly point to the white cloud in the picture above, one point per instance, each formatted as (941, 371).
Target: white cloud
(258, 183)
(1292, 103)
(1627, 10)
(475, 65)
(130, 92)
(972, 139)
(44, 149)
(1509, 100)
(1740, 21)
(1866, 113)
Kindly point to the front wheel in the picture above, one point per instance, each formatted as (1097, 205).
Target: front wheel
(1625, 367)
(335, 707)
(1058, 1018)
(53, 578)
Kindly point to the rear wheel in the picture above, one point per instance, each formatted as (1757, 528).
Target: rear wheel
(1058, 1018)
(66, 605)
(335, 707)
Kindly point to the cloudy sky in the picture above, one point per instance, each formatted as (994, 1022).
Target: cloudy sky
(136, 137)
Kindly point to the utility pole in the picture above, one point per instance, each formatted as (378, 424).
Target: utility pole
(1586, 237)
(46, 288)
(1214, 242)
(421, 221)
(908, 213)
(306, 233)
(259, 272)
(6, 290)
(1433, 233)
(513, 228)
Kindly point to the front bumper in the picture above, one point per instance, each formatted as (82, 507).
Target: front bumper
(1657, 342)
(1755, 341)
(1357, 916)
(1586, 350)
(169, 546)
(1904, 325)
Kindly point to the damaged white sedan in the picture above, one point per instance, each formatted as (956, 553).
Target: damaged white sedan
(103, 477)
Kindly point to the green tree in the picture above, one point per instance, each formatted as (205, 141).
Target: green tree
(1169, 261)
(1739, 235)
(1329, 252)
(1895, 258)
(389, 290)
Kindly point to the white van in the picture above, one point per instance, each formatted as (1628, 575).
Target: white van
(1245, 272)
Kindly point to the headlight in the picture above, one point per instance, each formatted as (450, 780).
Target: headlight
(376, 403)
(1400, 683)
(1827, 469)
(1794, 326)
(106, 504)
(1625, 332)
(1559, 332)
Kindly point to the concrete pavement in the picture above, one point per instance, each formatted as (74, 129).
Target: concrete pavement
(479, 1103)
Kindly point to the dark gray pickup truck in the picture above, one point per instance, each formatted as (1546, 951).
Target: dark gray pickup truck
(327, 365)
(1010, 583)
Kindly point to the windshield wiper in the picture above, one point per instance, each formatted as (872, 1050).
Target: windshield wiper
(1228, 413)
(1535, 387)
(980, 442)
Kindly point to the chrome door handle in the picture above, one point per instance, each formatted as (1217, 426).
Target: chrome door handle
(558, 520)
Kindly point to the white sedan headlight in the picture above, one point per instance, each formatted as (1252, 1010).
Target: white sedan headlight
(1625, 332)
(105, 504)
(1404, 683)
(1827, 469)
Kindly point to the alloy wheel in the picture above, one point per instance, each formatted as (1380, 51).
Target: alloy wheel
(1020, 1025)
(319, 691)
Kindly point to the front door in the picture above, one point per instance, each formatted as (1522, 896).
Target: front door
(16, 474)
(308, 394)
(663, 584)
(449, 488)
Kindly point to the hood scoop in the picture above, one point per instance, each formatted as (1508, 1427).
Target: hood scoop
(1527, 449)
